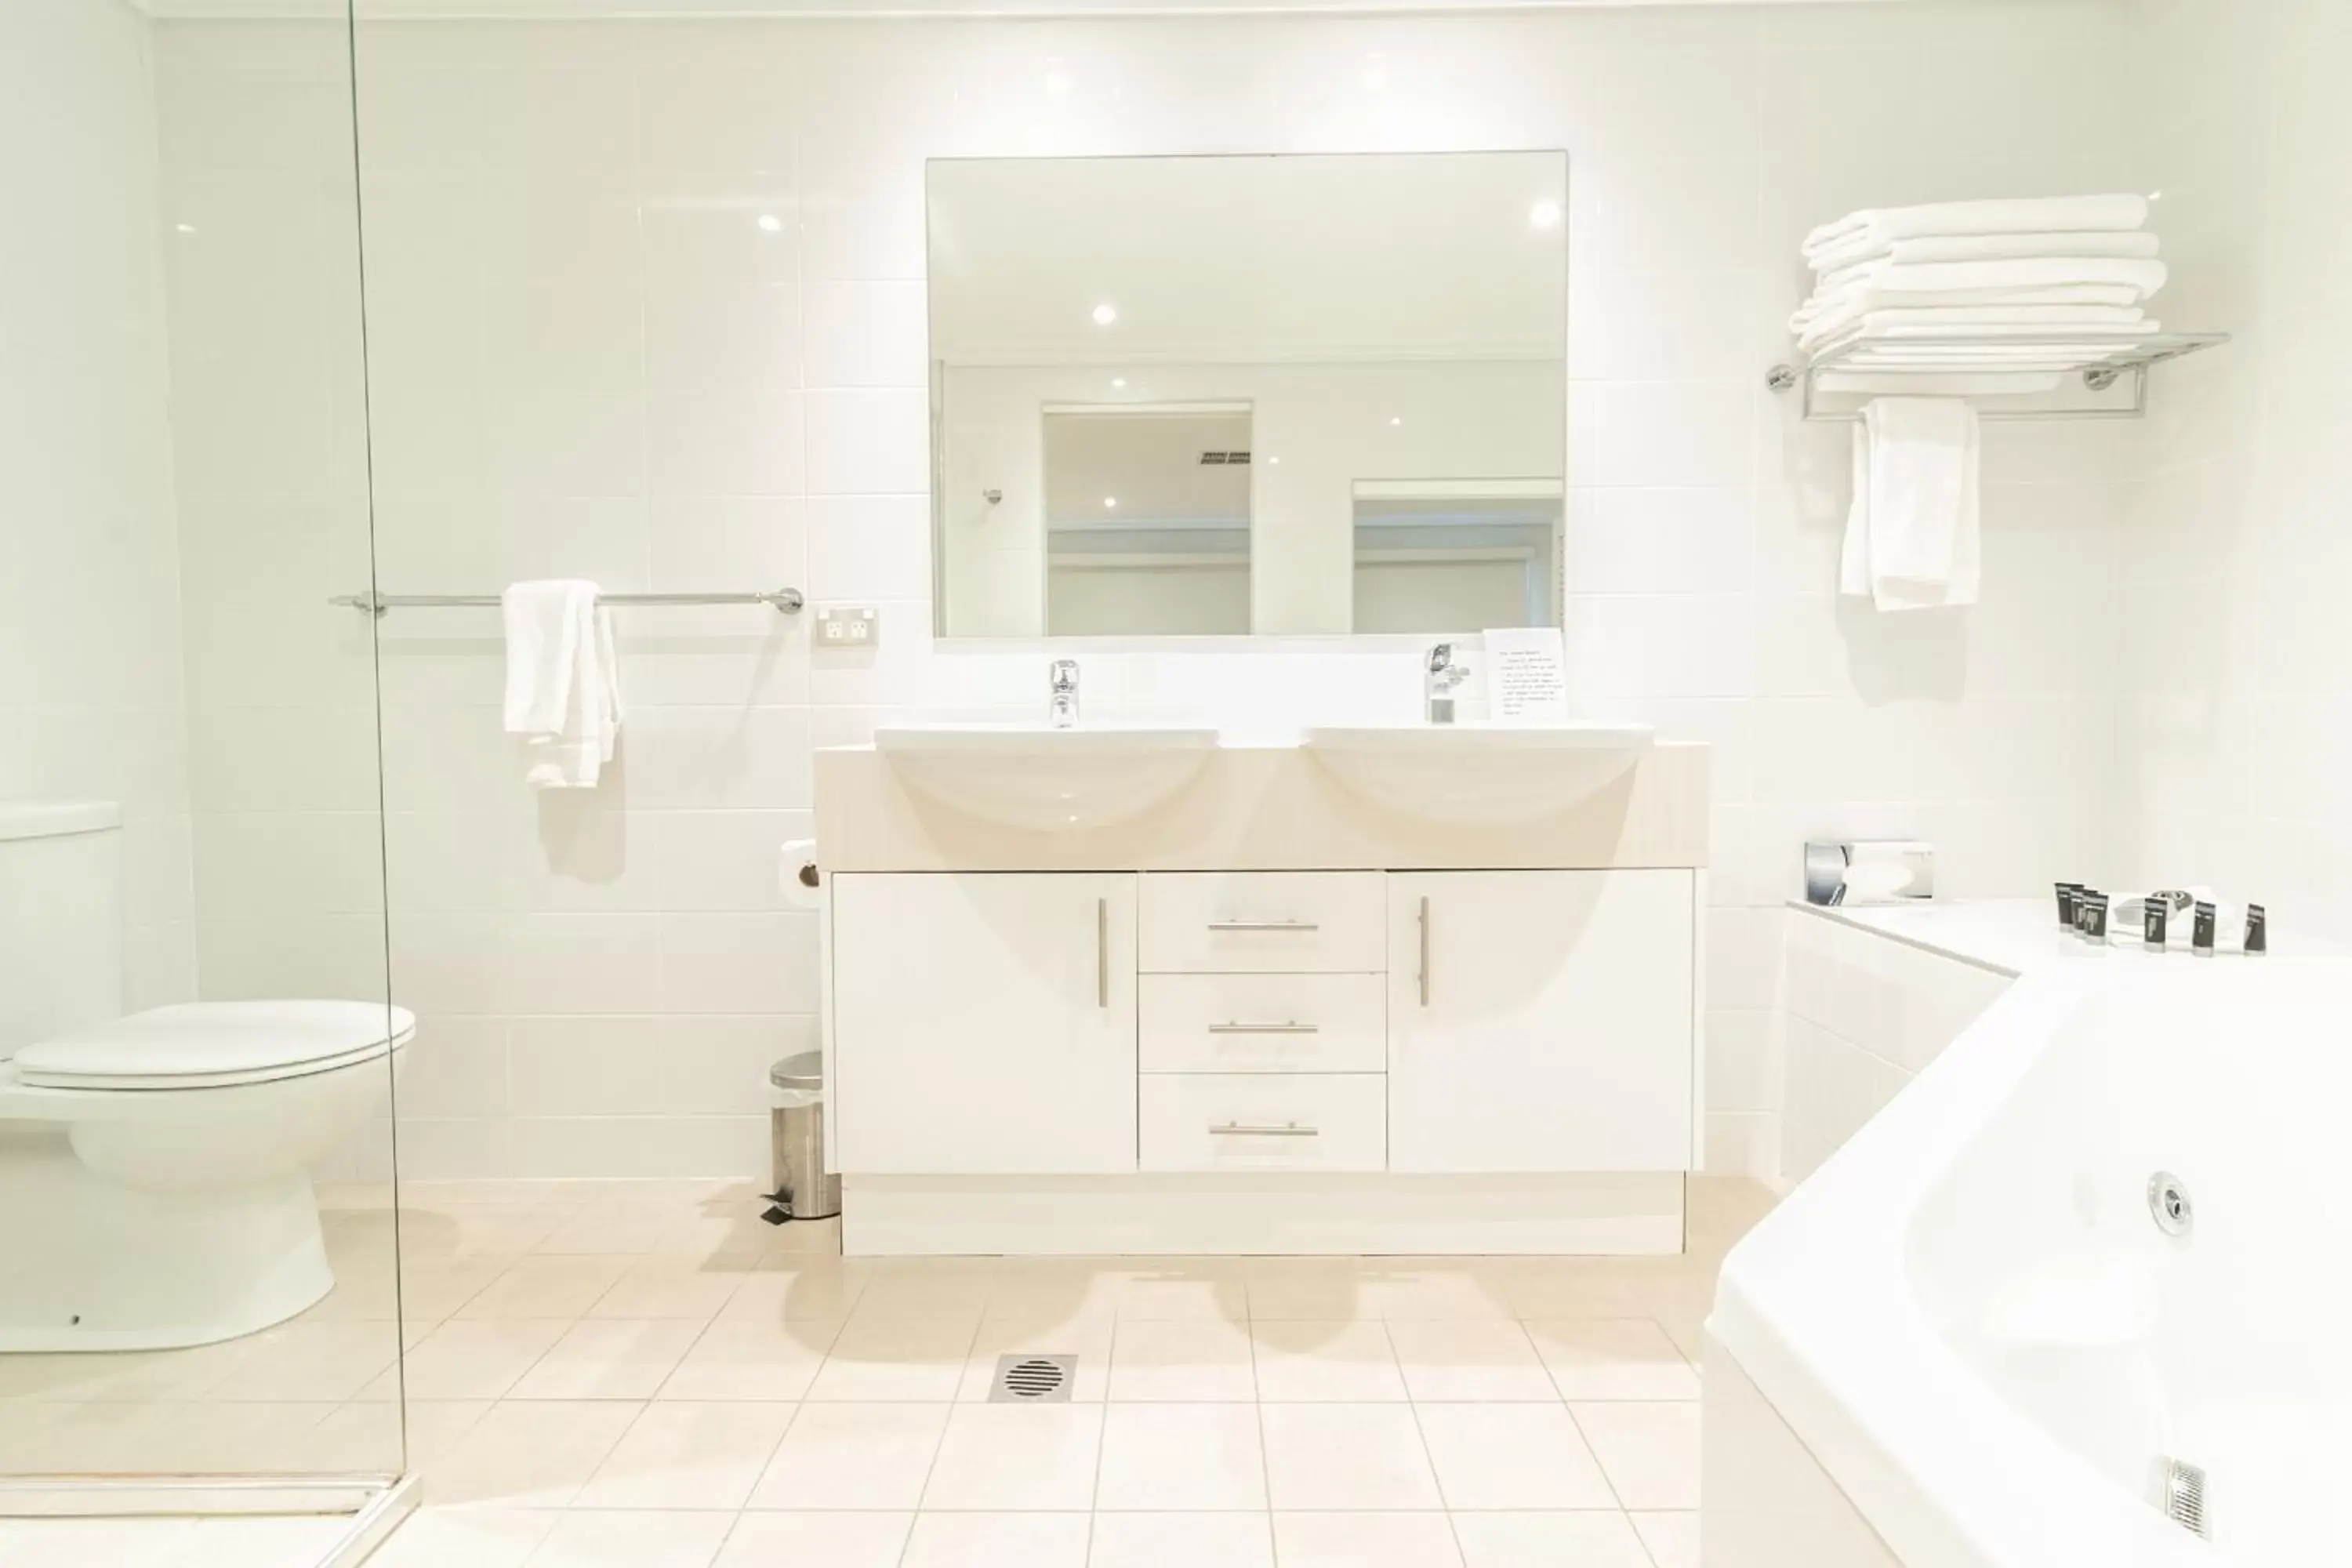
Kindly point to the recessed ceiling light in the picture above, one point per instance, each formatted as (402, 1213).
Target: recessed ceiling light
(1105, 313)
(1110, 503)
(1274, 459)
(1545, 214)
(770, 224)
(1396, 419)
(1118, 381)
(186, 227)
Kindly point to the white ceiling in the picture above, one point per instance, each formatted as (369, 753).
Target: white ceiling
(1248, 259)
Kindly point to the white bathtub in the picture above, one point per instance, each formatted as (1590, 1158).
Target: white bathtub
(1965, 1342)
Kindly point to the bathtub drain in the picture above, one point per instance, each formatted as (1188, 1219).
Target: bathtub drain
(2183, 1488)
(2168, 1201)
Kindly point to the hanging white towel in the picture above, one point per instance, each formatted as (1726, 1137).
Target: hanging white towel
(1913, 539)
(563, 694)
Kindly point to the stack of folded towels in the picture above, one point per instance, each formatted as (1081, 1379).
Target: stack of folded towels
(1929, 302)
(1911, 286)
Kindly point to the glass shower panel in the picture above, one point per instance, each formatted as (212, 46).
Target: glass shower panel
(196, 1204)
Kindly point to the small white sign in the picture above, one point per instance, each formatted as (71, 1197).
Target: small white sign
(1527, 676)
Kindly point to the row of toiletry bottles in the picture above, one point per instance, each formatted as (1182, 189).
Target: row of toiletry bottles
(2089, 914)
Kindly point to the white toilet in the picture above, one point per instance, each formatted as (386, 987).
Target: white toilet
(154, 1170)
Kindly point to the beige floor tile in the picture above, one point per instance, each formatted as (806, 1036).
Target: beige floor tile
(476, 1230)
(1316, 1289)
(758, 1361)
(545, 1287)
(1090, 1339)
(1613, 1358)
(368, 1435)
(1511, 1457)
(1672, 1538)
(477, 1359)
(433, 1291)
(252, 1543)
(584, 1537)
(1171, 1458)
(243, 1438)
(997, 1541)
(1211, 1288)
(1598, 1539)
(616, 1358)
(1470, 1359)
(884, 1359)
(1181, 1540)
(694, 1288)
(939, 1290)
(1025, 1457)
(529, 1454)
(137, 1376)
(309, 1362)
(1346, 1457)
(689, 1455)
(792, 1290)
(1044, 1292)
(816, 1541)
(1202, 1359)
(853, 1457)
(1365, 1540)
(1437, 1287)
(637, 1229)
(1544, 1288)
(464, 1538)
(88, 1542)
(1650, 1452)
(1306, 1361)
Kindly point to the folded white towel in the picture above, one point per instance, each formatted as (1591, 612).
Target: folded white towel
(562, 693)
(1865, 248)
(1817, 316)
(2051, 215)
(1913, 536)
(1941, 383)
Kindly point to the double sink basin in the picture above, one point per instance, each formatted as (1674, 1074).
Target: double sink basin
(1087, 776)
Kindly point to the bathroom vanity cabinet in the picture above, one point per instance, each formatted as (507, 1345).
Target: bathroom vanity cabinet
(1159, 1037)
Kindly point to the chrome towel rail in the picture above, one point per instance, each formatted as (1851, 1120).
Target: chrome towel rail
(783, 600)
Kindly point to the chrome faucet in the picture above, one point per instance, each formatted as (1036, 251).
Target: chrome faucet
(1062, 677)
(1439, 678)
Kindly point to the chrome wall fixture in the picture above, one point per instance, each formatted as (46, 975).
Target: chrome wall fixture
(2101, 365)
(783, 600)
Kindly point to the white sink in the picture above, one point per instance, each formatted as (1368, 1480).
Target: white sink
(1035, 777)
(1478, 775)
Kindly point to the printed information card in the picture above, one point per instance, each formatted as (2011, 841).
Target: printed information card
(1526, 678)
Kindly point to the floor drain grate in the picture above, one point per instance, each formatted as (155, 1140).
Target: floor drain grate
(1033, 1380)
(2183, 1488)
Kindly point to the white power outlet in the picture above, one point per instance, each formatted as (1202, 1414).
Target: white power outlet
(848, 625)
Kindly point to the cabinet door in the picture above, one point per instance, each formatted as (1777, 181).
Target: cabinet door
(1540, 1021)
(984, 1024)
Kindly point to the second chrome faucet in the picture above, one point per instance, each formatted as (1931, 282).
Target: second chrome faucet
(1061, 702)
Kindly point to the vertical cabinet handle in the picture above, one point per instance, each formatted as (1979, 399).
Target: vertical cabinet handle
(1425, 951)
(1102, 952)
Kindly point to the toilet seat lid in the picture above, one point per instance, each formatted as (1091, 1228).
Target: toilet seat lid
(216, 1045)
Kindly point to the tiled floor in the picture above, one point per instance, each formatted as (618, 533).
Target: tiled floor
(645, 1377)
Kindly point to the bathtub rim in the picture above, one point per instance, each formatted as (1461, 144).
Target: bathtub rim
(1818, 1309)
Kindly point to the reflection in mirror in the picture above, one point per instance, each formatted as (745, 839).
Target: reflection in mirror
(1148, 520)
(1441, 557)
(1380, 338)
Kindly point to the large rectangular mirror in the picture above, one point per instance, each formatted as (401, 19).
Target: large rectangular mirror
(1217, 395)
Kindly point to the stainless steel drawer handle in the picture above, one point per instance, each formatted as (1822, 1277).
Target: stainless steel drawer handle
(1247, 1129)
(1292, 1028)
(1425, 953)
(1264, 925)
(1102, 952)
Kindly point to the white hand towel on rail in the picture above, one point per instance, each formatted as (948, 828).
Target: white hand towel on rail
(563, 693)
(2048, 215)
(1913, 536)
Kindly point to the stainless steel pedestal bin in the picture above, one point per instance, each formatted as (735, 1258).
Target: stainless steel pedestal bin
(796, 1133)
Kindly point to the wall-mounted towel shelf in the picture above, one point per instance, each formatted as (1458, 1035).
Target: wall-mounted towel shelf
(2101, 361)
(783, 600)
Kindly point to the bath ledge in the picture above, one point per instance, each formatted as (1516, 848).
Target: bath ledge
(2014, 936)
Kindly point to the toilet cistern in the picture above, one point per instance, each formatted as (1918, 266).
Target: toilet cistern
(1062, 675)
(1439, 678)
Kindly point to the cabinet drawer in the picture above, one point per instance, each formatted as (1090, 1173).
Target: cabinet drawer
(1263, 1023)
(1264, 923)
(1263, 1122)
